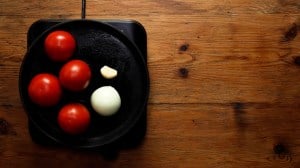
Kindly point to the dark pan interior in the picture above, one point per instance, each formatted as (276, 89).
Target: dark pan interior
(98, 44)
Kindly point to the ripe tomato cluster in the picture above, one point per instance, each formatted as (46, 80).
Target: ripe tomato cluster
(45, 89)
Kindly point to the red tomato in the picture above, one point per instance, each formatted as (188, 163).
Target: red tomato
(74, 118)
(75, 75)
(59, 46)
(45, 90)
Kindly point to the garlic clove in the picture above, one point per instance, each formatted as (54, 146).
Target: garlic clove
(108, 72)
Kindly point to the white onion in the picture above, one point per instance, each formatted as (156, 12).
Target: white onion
(106, 100)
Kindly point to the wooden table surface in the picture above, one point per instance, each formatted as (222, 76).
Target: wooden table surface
(225, 85)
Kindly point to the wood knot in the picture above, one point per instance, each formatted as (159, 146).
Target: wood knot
(282, 152)
(184, 47)
(280, 149)
(238, 106)
(291, 33)
(4, 127)
(240, 115)
(183, 72)
(297, 60)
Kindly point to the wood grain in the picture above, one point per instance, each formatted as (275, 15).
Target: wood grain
(224, 83)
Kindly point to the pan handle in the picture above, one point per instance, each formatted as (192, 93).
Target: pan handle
(83, 7)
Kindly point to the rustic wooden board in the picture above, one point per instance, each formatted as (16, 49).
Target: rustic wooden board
(225, 83)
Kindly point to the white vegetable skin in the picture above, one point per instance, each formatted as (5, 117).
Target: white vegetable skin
(106, 100)
(108, 72)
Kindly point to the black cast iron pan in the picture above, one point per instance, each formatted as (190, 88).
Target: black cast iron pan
(98, 44)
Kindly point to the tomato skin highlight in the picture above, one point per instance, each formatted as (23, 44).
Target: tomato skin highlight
(75, 75)
(74, 118)
(59, 46)
(45, 90)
